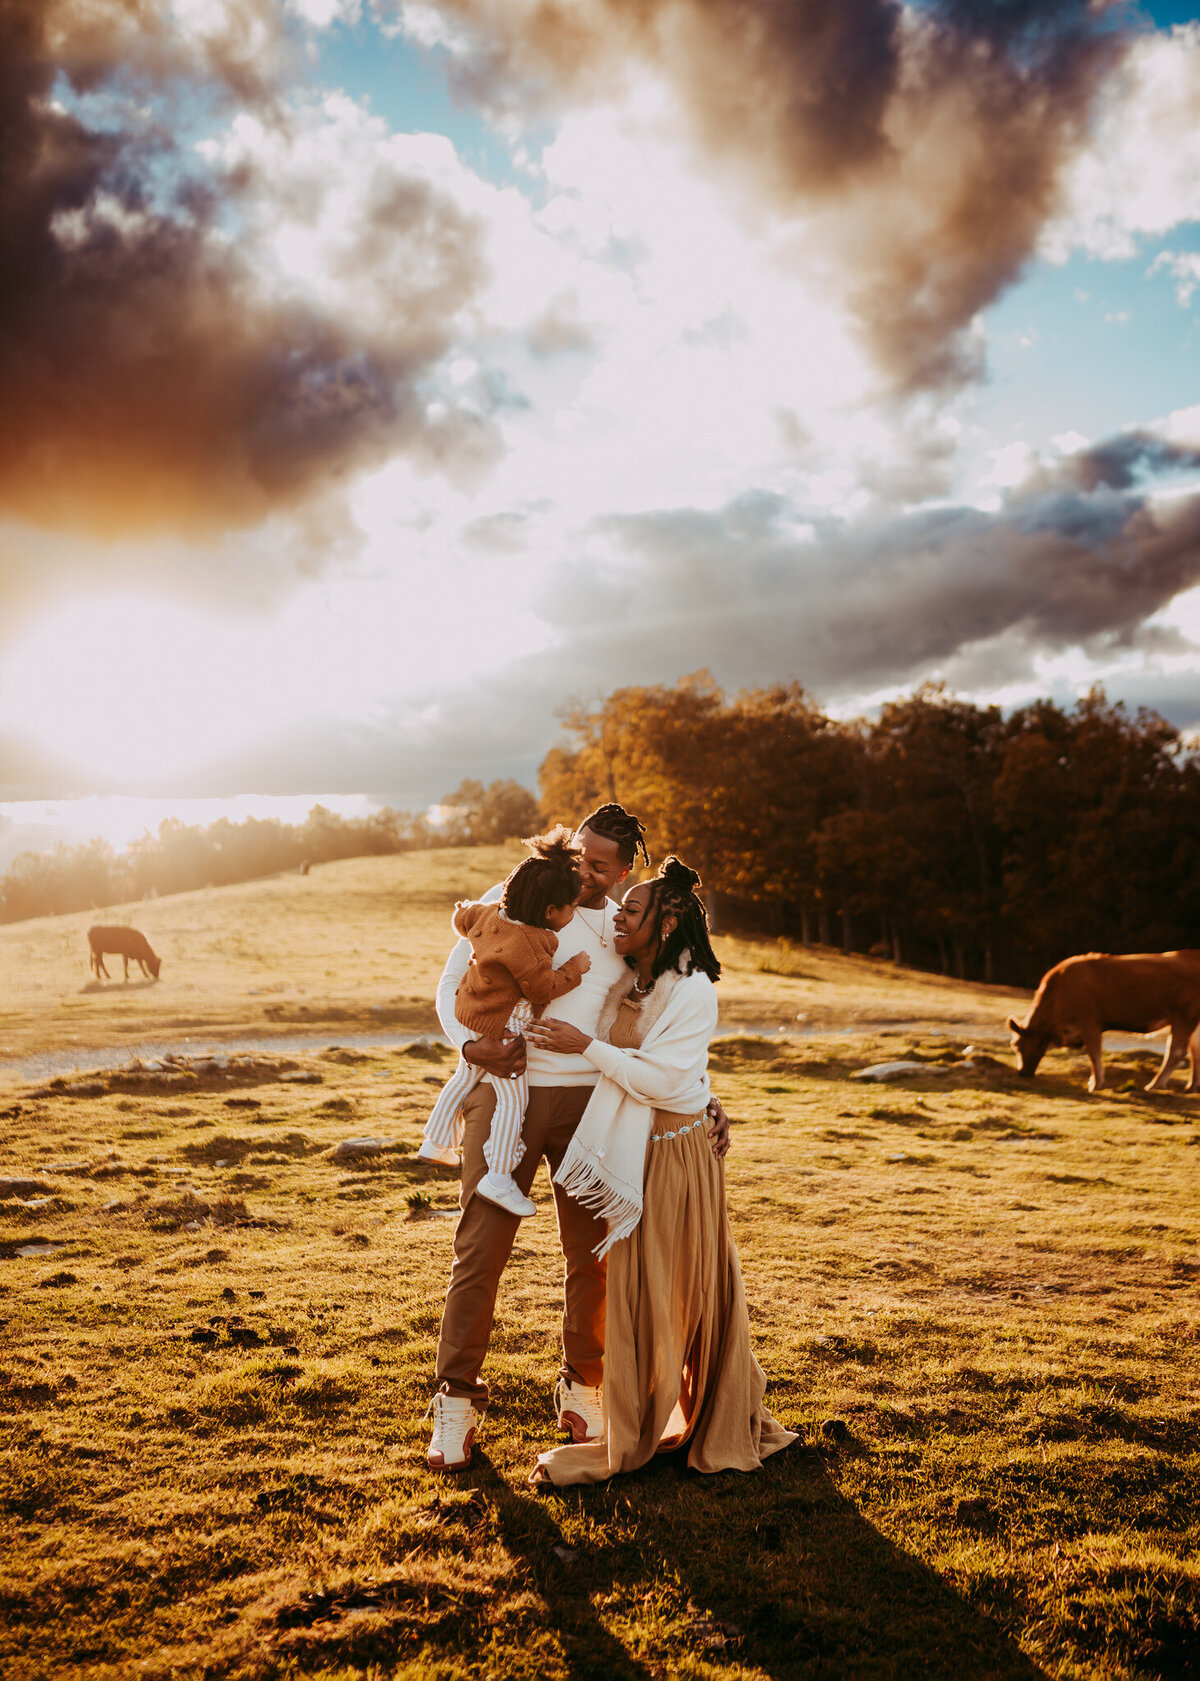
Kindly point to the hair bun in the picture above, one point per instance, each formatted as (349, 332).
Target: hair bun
(677, 874)
(556, 843)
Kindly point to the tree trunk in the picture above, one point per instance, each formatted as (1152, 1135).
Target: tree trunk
(805, 926)
(988, 971)
(897, 953)
(824, 933)
(960, 961)
(847, 932)
(943, 955)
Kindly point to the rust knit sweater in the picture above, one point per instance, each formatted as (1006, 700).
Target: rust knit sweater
(509, 961)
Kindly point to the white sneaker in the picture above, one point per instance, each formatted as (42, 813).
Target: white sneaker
(579, 1411)
(455, 1421)
(502, 1189)
(430, 1152)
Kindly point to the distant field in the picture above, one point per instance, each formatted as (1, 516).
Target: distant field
(976, 1298)
(362, 943)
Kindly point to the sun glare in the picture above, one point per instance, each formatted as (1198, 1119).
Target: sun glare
(133, 688)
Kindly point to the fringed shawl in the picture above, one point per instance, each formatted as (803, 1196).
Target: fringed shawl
(605, 1161)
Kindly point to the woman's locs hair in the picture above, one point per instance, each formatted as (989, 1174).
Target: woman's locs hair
(549, 877)
(613, 822)
(673, 893)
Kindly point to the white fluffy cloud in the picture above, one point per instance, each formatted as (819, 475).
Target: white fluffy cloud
(1141, 172)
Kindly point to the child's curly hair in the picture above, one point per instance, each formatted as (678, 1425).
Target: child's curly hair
(549, 877)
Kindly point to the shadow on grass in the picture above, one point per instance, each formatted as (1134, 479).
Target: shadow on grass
(778, 1571)
(118, 986)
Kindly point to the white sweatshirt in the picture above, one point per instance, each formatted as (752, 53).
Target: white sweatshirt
(581, 1006)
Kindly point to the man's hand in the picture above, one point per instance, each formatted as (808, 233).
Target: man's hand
(504, 1056)
(718, 1135)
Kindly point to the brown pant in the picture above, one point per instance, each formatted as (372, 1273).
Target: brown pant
(484, 1238)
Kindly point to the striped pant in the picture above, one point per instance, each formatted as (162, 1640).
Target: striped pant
(505, 1146)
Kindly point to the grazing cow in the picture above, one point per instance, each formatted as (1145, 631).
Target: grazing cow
(123, 943)
(1080, 1000)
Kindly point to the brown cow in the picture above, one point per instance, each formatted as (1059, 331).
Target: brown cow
(1080, 1000)
(123, 943)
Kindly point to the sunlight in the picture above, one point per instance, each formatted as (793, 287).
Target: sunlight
(121, 818)
(132, 688)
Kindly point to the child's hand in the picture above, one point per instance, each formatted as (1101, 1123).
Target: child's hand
(582, 962)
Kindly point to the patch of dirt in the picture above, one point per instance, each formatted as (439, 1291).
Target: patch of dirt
(188, 1211)
(167, 1075)
(224, 1146)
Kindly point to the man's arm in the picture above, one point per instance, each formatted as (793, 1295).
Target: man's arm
(504, 1056)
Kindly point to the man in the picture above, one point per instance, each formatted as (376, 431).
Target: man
(559, 1087)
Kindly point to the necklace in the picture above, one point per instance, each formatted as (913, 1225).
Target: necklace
(603, 930)
(640, 991)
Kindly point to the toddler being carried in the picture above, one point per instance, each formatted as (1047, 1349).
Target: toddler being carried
(510, 979)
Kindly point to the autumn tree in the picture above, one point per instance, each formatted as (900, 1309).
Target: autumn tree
(1099, 813)
(477, 816)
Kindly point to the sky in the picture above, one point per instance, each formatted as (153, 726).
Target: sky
(379, 377)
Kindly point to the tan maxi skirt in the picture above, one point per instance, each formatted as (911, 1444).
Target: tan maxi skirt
(678, 1367)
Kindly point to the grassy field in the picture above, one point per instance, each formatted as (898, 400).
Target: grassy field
(976, 1298)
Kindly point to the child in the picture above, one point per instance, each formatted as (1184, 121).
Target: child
(511, 975)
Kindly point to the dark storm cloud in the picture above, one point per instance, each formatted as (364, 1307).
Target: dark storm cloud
(1121, 461)
(1071, 559)
(925, 144)
(148, 380)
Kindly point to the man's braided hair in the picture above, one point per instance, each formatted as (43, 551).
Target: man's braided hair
(673, 893)
(613, 822)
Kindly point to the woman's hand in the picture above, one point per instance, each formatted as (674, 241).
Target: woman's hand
(718, 1134)
(560, 1036)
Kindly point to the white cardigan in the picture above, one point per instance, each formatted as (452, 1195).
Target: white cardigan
(604, 1165)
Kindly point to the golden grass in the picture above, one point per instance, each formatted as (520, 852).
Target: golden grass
(361, 943)
(975, 1298)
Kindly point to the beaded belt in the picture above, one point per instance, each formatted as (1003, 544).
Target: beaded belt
(661, 1137)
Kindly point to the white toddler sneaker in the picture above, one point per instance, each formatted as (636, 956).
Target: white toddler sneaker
(455, 1421)
(442, 1153)
(579, 1411)
(502, 1189)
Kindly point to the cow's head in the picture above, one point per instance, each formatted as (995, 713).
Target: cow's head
(154, 964)
(1030, 1046)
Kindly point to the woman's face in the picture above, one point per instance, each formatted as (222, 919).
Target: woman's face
(634, 933)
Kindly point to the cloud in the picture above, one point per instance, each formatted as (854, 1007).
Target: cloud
(1184, 266)
(1140, 172)
(159, 369)
(923, 147)
(1079, 574)
(1080, 555)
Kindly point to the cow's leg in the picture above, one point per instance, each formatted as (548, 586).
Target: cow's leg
(1194, 1060)
(100, 969)
(1093, 1044)
(125, 961)
(1174, 1054)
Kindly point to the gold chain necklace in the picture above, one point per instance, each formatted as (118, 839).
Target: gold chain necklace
(603, 925)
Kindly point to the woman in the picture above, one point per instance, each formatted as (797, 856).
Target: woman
(678, 1370)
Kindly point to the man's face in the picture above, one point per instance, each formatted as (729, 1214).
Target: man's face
(601, 867)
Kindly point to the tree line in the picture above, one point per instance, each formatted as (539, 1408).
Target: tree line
(941, 834)
(179, 857)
